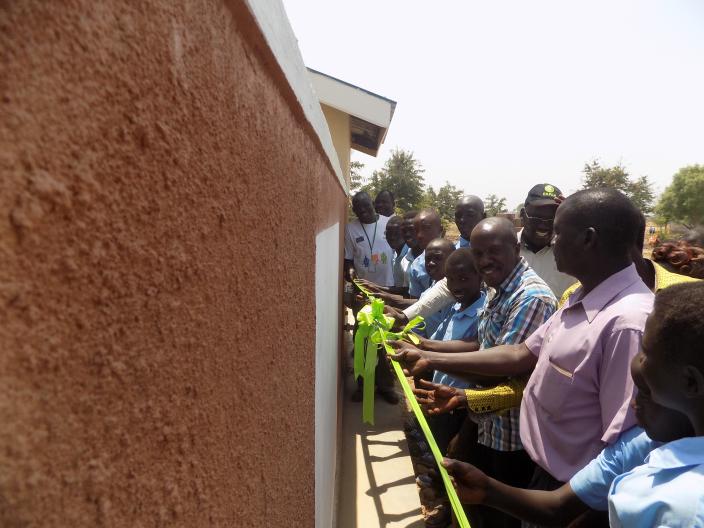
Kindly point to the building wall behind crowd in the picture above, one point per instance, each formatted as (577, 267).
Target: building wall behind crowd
(162, 196)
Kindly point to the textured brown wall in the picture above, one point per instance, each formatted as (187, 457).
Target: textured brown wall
(159, 198)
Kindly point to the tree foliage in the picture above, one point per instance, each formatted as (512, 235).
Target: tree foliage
(683, 200)
(403, 175)
(443, 201)
(640, 191)
(494, 205)
(356, 178)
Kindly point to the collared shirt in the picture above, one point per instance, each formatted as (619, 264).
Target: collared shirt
(459, 324)
(543, 263)
(511, 313)
(666, 491)
(419, 280)
(592, 483)
(367, 248)
(663, 279)
(577, 399)
(400, 275)
(461, 242)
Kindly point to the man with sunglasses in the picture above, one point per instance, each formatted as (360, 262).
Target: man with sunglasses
(537, 215)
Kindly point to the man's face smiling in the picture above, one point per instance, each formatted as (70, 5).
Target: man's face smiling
(538, 224)
(495, 256)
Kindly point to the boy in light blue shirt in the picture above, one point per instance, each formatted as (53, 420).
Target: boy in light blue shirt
(640, 479)
(427, 227)
(435, 255)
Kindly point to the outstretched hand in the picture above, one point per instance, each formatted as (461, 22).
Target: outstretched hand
(411, 358)
(439, 399)
(471, 484)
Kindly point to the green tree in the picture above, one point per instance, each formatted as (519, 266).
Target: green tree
(356, 178)
(640, 191)
(402, 174)
(494, 205)
(443, 201)
(683, 200)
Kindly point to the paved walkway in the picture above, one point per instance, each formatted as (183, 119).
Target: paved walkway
(377, 485)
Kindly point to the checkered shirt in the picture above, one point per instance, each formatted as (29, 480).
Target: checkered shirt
(513, 312)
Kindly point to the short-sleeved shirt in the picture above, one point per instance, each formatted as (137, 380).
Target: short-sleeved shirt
(592, 483)
(367, 248)
(668, 490)
(577, 399)
(461, 242)
(419, 280)
(459, 324)
(400, 275)
(543, 263)
(511, 313)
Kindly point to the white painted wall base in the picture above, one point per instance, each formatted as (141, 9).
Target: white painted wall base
(327, 331)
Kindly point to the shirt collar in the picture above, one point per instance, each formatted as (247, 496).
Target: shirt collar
(600, 296)
(511, 282)
(463, 242)
(472, 309)
(680, 453)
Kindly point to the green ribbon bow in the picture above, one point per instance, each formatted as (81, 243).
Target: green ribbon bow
(373, 330)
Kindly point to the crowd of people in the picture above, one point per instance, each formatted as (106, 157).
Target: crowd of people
(558, 365)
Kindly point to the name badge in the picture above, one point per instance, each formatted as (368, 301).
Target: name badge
(359, 239)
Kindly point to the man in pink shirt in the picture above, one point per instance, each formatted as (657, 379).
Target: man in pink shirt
(577, 398)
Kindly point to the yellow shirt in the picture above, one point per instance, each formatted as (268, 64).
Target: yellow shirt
(663, 279)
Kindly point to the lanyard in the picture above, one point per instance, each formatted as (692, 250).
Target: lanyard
(371, 244)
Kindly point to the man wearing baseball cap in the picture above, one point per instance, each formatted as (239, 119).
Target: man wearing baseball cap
(537, 215)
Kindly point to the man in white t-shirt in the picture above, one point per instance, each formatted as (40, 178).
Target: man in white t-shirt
(367, 253)
(369, 256)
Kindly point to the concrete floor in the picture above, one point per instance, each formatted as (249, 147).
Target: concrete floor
(377, 484)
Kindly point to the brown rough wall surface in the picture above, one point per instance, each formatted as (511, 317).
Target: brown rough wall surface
(158, 195)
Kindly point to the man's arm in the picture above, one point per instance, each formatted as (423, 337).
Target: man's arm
(547, 508)
(504, 360)
(436, 299)
(455, 345)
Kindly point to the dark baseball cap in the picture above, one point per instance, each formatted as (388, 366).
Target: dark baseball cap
(542, 194)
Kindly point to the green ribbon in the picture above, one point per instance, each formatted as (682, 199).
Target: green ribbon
(374, 330)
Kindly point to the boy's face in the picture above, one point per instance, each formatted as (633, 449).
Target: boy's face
(463, 281)
(427, 228)
(435, 261)
(660, 373)
(660, 423)
(394, 236)
(409, 233)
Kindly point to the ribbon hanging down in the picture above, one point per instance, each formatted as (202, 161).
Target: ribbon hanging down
(374, 329)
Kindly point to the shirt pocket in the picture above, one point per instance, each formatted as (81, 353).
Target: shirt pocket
(553, 392)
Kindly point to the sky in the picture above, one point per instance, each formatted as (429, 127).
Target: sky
(496, 96)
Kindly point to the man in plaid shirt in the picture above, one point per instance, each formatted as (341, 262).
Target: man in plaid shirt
(518, 303)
